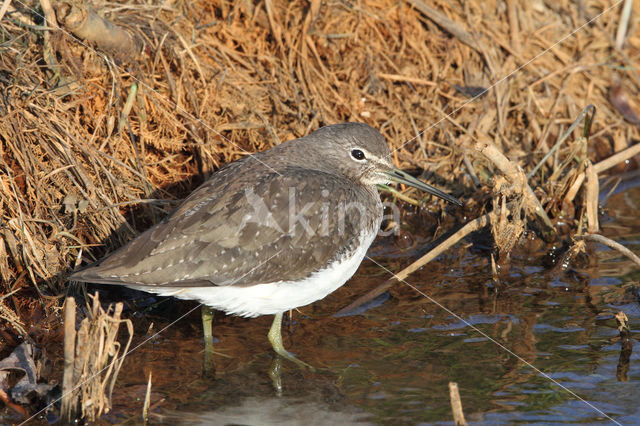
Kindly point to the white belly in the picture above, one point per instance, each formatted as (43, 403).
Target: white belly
(272, 298)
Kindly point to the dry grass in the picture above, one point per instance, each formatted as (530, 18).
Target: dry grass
(93, 357)
(218, 80)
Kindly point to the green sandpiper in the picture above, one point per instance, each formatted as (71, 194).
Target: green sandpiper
(269, 232)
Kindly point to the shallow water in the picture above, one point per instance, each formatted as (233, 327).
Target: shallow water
(540, 347)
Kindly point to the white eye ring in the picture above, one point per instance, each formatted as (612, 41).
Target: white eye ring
(358, 155)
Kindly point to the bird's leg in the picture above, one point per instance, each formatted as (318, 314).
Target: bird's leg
(275, 337)
(207, 320)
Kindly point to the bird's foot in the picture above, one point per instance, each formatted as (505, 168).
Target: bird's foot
(291, 357)
(275, 337)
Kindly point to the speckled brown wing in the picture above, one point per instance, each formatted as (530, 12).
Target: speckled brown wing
(239, 232)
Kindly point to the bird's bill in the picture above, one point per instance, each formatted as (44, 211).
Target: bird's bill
(399, 176)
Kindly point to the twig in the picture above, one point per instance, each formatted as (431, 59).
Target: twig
(48, 49)
(4, 8)
(407, 79)
(470, 227)
(126, 109)
(565, 135)
(602, 166)
(147, 401)
(618, 158)
(69, 397)
(592, 191)
(624, 23)
(471, 170)
(9, 315)
(274, 24)
(399, 195)
(573, 191)
(447, 24)
(516, 176)
(610, 243)
(456, 405)
(193, 57)
(86, 24)
(514, 27)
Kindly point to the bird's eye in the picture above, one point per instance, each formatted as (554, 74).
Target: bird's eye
(357, 154)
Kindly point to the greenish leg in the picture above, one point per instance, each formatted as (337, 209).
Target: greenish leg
(275, 337)
(207, 326)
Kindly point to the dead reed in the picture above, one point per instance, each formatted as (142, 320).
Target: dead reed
(93, 357)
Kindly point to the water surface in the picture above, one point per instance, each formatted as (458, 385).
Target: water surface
(539, 347)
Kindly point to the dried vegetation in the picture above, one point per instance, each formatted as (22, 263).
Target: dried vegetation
(93, 357)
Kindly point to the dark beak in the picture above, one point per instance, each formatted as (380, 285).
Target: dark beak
(401, 177)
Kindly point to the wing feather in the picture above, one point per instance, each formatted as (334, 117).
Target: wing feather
(241, 232)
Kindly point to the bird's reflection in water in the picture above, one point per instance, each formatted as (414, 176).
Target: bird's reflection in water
(268, 411)
(276, 376)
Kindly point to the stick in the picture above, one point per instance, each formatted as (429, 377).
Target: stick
(610, 243)
(471, 170)
(617, 158)
(414, 80)
(447, 24)
(69, 397)
(456, 405)
(514, 27)
(583, 115)
(573, 191)
(126, 109)
(624, 23)
(4, 8)
(86, 24)
(474, 225)
(515, 175)
(602, 166)
(147, 402)
(592, 190)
